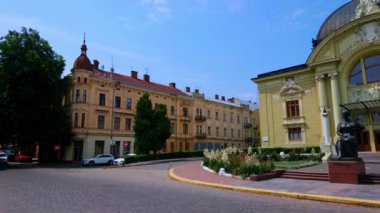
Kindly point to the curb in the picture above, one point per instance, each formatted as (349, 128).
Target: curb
(323, 198)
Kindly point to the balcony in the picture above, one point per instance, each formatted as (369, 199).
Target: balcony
(200, 118)
(200, 135)
(247, 125)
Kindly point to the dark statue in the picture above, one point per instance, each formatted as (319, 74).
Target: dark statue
(347, 145)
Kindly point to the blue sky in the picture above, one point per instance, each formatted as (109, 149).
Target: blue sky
(215, 46)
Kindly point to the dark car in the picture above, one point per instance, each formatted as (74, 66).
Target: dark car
(23, 155)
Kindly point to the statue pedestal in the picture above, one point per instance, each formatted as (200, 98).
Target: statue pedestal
(346, 171)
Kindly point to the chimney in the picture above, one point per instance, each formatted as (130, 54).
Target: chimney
(217, 97)
(223, 98)
(197, 91)
(172, 84)
(134, 74)
(188, 89)
(96, 64)
(146, 77)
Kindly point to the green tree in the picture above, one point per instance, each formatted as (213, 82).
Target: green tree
(31, 91)
(152, 126)
(161, 127)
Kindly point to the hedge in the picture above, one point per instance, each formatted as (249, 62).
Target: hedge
(162, 156)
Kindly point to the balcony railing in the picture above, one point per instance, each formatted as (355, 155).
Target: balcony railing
(247, 125)
(200, 118)
(200, 135)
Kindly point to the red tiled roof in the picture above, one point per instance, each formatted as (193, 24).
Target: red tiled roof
(123, 79)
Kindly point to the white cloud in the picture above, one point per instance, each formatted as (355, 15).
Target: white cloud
(159, 9)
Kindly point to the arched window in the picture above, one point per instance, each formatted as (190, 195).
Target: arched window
(356, 76)
(372, 66)
(371, 70)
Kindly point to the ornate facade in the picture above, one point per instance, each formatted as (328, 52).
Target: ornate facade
(103, 106)
(342, 72)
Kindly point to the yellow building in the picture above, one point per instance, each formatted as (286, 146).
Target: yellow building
(342, 72)
(103, 107)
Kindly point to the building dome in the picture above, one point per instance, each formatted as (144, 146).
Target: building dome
(346, 14)
(82, 62)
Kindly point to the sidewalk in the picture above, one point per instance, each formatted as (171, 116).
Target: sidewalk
(365, 195)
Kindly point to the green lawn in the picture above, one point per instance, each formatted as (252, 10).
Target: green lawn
(294, 164)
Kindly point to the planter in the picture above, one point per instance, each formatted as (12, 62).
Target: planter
(264, 176)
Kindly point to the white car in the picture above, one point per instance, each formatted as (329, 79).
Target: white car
(3, 157)
(98, 159)
(119, 162)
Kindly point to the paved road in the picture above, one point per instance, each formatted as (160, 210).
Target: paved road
(134, 189)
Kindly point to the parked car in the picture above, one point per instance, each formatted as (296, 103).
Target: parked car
(3, 157)
(23, 155)
(98, 159)
(119, 162)
(10, 153)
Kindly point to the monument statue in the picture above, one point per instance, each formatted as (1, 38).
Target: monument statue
(347, 145)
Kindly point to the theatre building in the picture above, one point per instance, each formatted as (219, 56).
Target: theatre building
(341, 73)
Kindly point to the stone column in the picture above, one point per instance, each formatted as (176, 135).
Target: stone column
(335, 98)
(321, 92)
(322, 107)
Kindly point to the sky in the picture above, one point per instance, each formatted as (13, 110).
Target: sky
(216, 46)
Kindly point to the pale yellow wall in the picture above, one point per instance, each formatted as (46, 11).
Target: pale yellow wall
(178, 140)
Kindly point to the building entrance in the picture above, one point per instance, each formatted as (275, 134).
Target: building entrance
(78, 151)
(363, 141)
(377, 140)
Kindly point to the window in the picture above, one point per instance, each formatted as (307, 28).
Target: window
(129, 103)
(376, 117)
(238, 119)
(224, 117)
(372, 66)
(185, 128)
(360, 117)
(225, 132)
(356, 76)
(85, 80)
(208, 113)
(102, 99)
(367, 70)
(292, 109)
(84, 96)
(172, 127)
(185, 112)
(116, 123)
(216, 115)
(76, 120)
(232, 133)
(217, 131)
(82, 123)
(101, 120)
(294, 134)
(171, 110)
(232, 117)
(209, 130)
(238, 133)
(77, 96)
(78, 79)
(99, 147)
(128, 124)
(117, 101)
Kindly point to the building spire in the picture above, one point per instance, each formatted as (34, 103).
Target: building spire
(84, 46)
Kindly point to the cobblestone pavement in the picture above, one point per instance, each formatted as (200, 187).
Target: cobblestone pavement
(134, 189)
